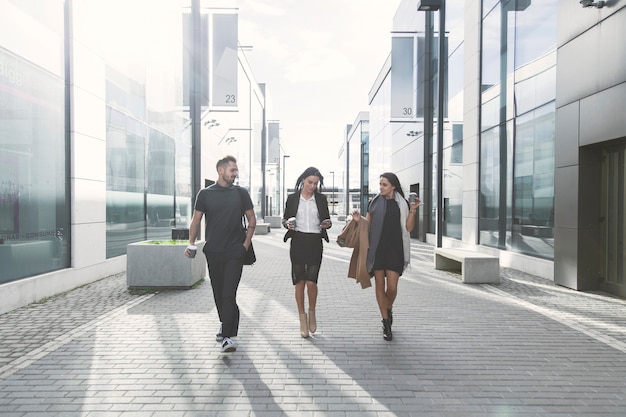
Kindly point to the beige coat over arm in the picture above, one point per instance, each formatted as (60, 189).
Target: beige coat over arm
(356, 235)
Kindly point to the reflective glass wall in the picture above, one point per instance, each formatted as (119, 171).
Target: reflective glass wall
(34, 207)
(518, 88)
(380, 135)
(148, 146)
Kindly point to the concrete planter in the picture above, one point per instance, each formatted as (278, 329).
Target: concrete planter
(163, 265)
(274, 221)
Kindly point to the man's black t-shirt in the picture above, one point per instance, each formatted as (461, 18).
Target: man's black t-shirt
(222, 208)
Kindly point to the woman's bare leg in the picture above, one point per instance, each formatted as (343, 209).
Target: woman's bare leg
(311, 289)
(392, 287)
(299, 292)
(381, 293)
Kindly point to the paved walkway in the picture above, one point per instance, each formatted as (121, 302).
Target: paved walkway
(521, 348)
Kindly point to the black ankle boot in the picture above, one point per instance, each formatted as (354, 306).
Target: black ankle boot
(387, 330)
(390, 315)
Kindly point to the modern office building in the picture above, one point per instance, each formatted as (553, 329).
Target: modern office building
(531, 155)
(112, 116)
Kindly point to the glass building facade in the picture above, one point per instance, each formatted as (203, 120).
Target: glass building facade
(408, 146)
(499, 126)
(99, 143)
(518, 93)
(34, 165)
(532, 138)
(148, 143)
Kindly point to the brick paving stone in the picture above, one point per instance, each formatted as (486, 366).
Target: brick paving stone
(526, 347)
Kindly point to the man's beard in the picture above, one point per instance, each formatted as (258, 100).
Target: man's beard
(228, 179)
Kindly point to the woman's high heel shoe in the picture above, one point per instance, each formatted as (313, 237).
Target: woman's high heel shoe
(312, 321)
(304, 326)
(387, 330)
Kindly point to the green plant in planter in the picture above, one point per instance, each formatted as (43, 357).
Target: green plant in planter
(167, 242)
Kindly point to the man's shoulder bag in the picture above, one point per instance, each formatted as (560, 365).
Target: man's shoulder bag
(250, 255)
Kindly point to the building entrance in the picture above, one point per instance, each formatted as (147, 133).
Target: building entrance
(613, 265)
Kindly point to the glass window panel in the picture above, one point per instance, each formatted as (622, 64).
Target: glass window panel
(148, 139)
(125, 213)
(34, 31)
(489, 204)
(534, 183)
(535, 31)
(452, 194)
(490, 115)
(513, 37)
(491, 50)
(455, 78)
(34, 209)
(546, 87)
(488, 5)
(183, 184)
(365, 165)
(535, 91)
(160, 185)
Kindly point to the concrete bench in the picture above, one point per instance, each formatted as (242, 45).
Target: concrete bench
(262, 228)
(475, 267)
(275, 222)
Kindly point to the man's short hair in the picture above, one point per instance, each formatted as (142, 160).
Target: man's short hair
(225, 161)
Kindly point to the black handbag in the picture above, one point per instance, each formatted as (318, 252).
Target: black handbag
(250, 257)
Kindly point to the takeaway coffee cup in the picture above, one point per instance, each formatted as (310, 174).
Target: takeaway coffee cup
(292, 220)
(192, 250)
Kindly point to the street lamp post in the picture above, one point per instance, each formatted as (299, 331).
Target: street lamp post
(430, 6)
(333, 193)
(284, 184)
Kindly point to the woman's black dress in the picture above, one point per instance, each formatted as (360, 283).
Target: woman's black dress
(390, 252)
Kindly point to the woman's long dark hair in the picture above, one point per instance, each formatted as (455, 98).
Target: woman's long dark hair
(307, 173)
(393, 180)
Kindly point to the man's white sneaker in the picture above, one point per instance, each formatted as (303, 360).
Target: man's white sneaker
(218, 336)
(228, 345)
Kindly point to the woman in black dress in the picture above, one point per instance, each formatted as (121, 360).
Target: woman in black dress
(309, 208)
(391, 219)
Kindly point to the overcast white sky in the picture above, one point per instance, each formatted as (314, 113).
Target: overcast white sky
(319, 60)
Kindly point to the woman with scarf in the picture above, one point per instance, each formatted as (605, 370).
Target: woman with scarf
(391, 219)
(307, 217)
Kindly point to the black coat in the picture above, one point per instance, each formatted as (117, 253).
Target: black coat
(291, 208)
